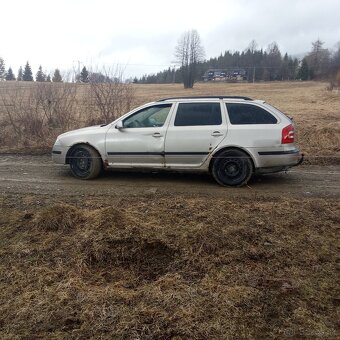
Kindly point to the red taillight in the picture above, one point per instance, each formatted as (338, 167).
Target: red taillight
(288, 134)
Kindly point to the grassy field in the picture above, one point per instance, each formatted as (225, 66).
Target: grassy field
(315, 110)
(174, 267)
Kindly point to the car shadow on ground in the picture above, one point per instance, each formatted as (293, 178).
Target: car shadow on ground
(156, 178)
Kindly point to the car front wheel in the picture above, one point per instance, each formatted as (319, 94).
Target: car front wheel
(232, 168)
(85, 162)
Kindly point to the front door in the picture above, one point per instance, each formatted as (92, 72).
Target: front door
(140, 141)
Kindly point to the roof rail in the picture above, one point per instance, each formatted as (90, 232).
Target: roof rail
(206, 97)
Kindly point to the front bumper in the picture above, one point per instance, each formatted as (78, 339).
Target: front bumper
(59, 154)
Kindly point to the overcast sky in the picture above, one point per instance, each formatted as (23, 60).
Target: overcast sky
(143, 34)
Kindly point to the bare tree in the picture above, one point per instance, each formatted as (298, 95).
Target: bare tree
(38, 112)
(189, 53)
(273, 62)
(57, 104)
(335, 69)
(20, 107)
(318, 60)
(109, 95)
(252, 47)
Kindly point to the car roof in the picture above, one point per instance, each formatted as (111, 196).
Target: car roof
(205, 98)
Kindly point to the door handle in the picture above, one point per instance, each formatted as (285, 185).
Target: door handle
(217, 134)
(157, 134)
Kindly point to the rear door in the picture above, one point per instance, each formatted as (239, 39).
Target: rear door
(194, 132)
(252, 126)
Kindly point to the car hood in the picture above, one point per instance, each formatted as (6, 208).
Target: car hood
(78, 132)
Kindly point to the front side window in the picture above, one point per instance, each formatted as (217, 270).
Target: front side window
(154, 116)
(191, 114)
(241, 114)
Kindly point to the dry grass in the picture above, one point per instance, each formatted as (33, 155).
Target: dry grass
(316, 112)
(169, 268)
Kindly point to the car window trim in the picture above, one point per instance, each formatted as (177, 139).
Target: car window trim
(147, 107)
(223, 119)
(278, 120)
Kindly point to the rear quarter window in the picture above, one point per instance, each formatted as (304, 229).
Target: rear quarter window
(241, 114)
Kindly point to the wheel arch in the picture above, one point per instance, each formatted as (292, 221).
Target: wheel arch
(231, 147)
(69, 152)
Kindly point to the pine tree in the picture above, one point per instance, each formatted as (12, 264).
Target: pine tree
(40, 76)
(57, 76)
(48, 78)
(27, 75)
(10, 74)
(292, 68)
(2, 69)
(285, 67)
(84, 75)
(20, 74)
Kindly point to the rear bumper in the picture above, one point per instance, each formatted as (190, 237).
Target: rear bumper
(278, 158)
(302, 156)
(275, 161)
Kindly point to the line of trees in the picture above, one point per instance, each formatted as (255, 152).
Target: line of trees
(26, 74)
(267, 65)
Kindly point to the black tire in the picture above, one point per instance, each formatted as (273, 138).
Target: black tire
(85, 162)
(232, 167)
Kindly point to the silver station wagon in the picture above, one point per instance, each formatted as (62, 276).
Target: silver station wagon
(230, 137)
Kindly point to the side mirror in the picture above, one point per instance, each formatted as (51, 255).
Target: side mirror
(119, 125)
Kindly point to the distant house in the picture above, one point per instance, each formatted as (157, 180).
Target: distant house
(237, 74)
(212, 74)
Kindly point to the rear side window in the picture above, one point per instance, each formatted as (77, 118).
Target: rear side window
(240, 114)
(190, 114)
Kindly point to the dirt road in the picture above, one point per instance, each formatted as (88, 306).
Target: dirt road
(38, 175)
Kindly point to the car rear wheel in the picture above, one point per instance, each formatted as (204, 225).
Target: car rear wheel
(232, 168)
(85, 162)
